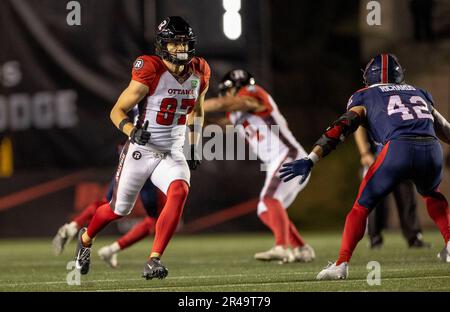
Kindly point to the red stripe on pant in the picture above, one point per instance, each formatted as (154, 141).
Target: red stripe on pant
(123, 155)
(373, 169)
(355, 223)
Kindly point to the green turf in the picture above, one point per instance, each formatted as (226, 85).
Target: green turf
(225, 263)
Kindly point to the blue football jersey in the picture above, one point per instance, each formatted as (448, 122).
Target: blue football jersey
(395, 110)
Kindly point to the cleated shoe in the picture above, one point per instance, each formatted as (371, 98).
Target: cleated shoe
(276, 253)
(154, 269)
(83, 255)
(107, 255)
(304, 254)
(63, 237)
(333, 272)
(444, 255)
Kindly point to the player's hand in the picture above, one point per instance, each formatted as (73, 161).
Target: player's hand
(367, 160)
(194, 162)
(301, 167)
(140, 135)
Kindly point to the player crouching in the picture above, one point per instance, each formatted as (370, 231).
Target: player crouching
(402, 118)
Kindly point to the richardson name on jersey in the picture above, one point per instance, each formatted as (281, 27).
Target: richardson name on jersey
(181, 91)
(396, 88)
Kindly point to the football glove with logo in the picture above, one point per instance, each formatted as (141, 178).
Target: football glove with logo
(140, 135)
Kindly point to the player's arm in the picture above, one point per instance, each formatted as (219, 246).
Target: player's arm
(367, 157)
(196, 118)
(195, 122)
(335, 134)
(441, 126)
(130, 97)
(233, 103)
(338, 131)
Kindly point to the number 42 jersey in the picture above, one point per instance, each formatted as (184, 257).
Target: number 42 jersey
(169, 99)
(395, 110)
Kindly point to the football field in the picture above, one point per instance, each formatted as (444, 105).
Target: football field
(225, 263)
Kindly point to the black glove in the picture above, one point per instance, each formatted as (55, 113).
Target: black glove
(194, 160)
(140, 135)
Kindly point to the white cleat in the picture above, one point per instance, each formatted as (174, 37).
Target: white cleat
(444, 255)
(304, 254)
(333, 272)
(63, 237)
(290, 256)
(107, 255)
(285, 255)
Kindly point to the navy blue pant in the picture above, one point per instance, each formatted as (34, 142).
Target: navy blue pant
(402, 159)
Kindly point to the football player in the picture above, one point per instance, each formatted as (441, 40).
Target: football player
(403, 119)
(169, 89)
(253, 109)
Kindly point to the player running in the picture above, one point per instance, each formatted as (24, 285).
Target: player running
(251, 107)
(402, 118)
(152, 200)
(169, 89)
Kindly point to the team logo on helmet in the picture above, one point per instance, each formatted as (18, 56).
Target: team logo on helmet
(238, 74)
(163, 24)
(236, 78)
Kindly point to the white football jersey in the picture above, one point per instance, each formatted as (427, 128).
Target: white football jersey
(266, 132)
(169, 101)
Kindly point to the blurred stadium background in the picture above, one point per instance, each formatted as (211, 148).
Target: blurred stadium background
(58, 148)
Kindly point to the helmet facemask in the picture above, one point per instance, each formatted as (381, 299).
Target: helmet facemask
(177, 58)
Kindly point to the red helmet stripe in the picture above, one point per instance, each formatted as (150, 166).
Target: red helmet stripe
(384, 68)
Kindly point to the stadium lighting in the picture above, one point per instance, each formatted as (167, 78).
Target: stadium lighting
(232, 24)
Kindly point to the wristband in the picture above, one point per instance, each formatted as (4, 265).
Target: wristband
(314, 157)
(123, 123)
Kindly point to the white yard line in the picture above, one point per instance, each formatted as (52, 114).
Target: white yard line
(141, 279)
(211, 276)
(266, 283)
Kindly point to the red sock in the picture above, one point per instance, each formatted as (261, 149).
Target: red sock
(137, 232)
(437, 207)
(170, 215)
(355, 226)
(102, 217)
(86, 215)
(294, 236)
(277, 220)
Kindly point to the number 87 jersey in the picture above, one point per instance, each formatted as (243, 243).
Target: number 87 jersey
(169, 99)
(395, 110)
